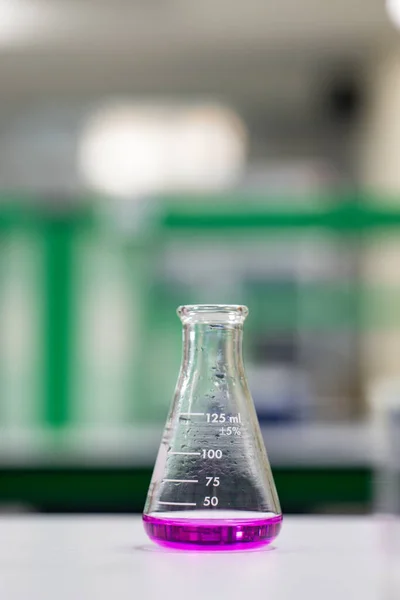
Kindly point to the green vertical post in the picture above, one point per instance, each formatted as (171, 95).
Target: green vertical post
(58, 322)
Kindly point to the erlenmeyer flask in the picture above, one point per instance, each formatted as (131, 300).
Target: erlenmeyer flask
(212, 485)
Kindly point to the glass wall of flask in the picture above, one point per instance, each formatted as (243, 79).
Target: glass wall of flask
(212, 486)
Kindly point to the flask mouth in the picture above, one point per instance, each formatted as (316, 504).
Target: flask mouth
(213, 313)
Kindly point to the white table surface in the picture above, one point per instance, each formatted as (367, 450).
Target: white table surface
(99, 558)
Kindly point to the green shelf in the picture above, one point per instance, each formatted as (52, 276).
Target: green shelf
(345, 215)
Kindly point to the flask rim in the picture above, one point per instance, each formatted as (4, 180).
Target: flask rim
(212, 313)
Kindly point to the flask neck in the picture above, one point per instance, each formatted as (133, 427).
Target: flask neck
(212, 347)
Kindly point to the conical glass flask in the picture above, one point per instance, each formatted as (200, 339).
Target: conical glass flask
(212, 486)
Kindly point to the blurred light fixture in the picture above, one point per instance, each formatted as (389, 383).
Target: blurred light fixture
(210, 148)
(393, 10)
(129, 150)
(17, 19)
(10, 19)
(123, 151)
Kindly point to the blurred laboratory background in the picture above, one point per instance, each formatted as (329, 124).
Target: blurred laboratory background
(163, 152)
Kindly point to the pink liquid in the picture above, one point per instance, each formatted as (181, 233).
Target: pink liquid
(212, 534)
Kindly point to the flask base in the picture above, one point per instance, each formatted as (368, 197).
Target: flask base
(194, 531)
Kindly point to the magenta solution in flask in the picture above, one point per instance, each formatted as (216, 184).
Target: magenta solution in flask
(229, 533)
(212, 486)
